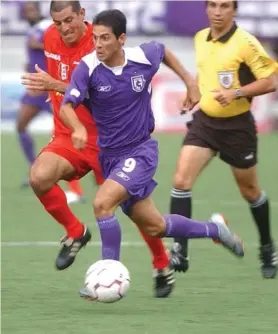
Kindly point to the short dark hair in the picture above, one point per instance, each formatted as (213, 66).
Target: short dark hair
(235, 2)
(58, 6)
(113, 18)
(36, 4)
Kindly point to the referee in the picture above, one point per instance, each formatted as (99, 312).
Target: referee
(233, 67)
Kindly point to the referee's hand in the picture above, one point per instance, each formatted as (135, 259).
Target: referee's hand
(224, 96)
(192, 98)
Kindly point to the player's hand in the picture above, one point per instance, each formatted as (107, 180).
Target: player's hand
(224, 96)
(79, 137)
(191, 99)
(40, 81)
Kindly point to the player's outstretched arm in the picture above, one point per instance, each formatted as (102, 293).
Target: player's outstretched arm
(42, 81)
(193, 93)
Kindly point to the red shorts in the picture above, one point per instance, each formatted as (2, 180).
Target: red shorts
(83, 161)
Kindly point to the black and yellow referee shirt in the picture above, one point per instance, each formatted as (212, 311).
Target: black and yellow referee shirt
(232, 61)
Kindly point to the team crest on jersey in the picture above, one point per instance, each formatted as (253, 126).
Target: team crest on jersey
(63, 71)
(226, 78)
(138, 83)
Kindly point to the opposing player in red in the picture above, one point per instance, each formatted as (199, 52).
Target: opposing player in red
(65, 43)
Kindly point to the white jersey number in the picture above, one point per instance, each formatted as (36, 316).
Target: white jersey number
(129, 166)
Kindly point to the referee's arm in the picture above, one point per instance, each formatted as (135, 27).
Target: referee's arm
(262, 66)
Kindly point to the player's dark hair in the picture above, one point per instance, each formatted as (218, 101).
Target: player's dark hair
(34, 3)
(58, 6)
(113, 18)
(235, 3)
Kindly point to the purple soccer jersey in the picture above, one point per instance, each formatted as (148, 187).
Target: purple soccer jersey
(120, 97)
(120, 102)
(36, 56)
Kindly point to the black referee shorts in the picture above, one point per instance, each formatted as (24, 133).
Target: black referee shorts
(234, 138)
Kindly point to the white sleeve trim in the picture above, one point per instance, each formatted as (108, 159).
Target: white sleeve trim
(91, 61)
(136, 55)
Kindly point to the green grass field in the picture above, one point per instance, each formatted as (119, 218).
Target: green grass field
(219, 294)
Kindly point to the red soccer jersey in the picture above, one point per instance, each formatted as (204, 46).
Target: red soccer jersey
(61, 61)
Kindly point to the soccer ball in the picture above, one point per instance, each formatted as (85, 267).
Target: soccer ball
(107, 281)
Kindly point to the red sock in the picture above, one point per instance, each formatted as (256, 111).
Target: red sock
(158, 250)
(75, 186)
(55, 203)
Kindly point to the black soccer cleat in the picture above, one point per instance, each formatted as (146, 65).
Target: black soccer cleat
(70, 249)
(179, 261)
(269, 260)
(164, 282)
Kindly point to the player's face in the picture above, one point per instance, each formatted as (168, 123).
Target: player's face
(106, 43)
(69, 24)
(220, 13)
(31, 13)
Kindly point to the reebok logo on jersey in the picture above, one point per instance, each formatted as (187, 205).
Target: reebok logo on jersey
(123, 176)
(104, 88)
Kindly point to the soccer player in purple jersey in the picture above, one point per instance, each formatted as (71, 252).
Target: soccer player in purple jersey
(32, 102)
(116, 82)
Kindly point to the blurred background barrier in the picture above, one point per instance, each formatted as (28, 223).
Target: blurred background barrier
(172, 22)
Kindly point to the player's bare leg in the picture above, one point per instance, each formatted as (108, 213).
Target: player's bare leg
(149, 219)
(259, 205)
(47, 170)
(192, 160)
(109, 196)
(26, 114)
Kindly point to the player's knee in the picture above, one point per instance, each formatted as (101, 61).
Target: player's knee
(40, 180)
(101, 208)
(20, 126)
(250, 192)
(182, 181)
(155, 229)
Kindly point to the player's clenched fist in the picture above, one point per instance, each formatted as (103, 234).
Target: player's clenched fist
(193, 96)
(79, 137)
(191, 99)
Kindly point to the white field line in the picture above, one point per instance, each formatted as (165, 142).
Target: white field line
(56, 243)
(207, 201)
(126, 244)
